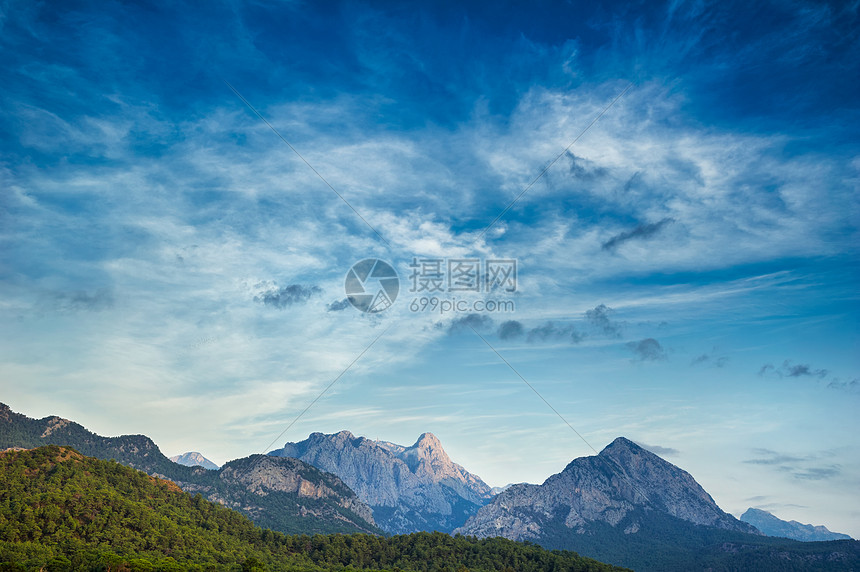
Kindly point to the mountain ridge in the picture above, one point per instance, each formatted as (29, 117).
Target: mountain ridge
(771, 525)
(281, 506)
(409, 488)
(605, 488)
(62, 511)
(629, 507)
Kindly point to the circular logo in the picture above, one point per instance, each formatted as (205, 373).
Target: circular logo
(371, 285)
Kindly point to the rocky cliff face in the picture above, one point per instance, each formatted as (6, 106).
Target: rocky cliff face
(614, 488)
(774, 526)
(274, 491)
(409, 488)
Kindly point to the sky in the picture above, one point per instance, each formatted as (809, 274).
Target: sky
(185, 187)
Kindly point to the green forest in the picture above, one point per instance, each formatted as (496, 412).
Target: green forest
(60, 510)
(281, 511)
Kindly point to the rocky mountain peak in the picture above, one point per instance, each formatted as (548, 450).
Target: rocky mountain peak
(623, 479)
(343, 436)
(194, 459)
(623, 444)
(630, 455)
(427, 441)
(411, 488)
(428, 456)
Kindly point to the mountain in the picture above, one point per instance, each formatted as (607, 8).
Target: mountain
(194, 459)
(773, 526)
(607, 488)
(285, 495)
(409, 488)
(63, 511)
(629, 507)
(136, 451)
(497, 490)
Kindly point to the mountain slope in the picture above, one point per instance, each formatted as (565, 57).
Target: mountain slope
(287, 495)
(194, 459)
(136, 451)
(60, 510)
(628, 506)
(409, 488)
(288, 510)
(604, 488)
(773, 526)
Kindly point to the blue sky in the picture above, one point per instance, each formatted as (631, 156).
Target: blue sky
(687, 270)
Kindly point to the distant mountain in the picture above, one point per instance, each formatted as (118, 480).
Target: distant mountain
(194, 459)
(497, 490)
(60, 510)
(629, 507)
(773, 526)
(281, 494)
(409, 488)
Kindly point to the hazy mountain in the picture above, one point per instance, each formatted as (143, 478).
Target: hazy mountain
(194, 459)
(627, 506)
(282, 494)
(773, 526)
(409, 488)
(497, 490)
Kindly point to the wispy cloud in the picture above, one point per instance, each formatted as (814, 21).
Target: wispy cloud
(802, 467)
(641, 232)
(852, 386)
(553, 331)
(647, 349)
(468, 322)
(285, 296)
(510, 329)
(599, 318)
(710, 360)
(788, 369)
(338, 305)
(96, 300)
(146, 217)
(661, 451)
(513, 329)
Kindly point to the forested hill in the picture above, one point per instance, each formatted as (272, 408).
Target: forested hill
(60, 510)
(269, 491)
(137, 451)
